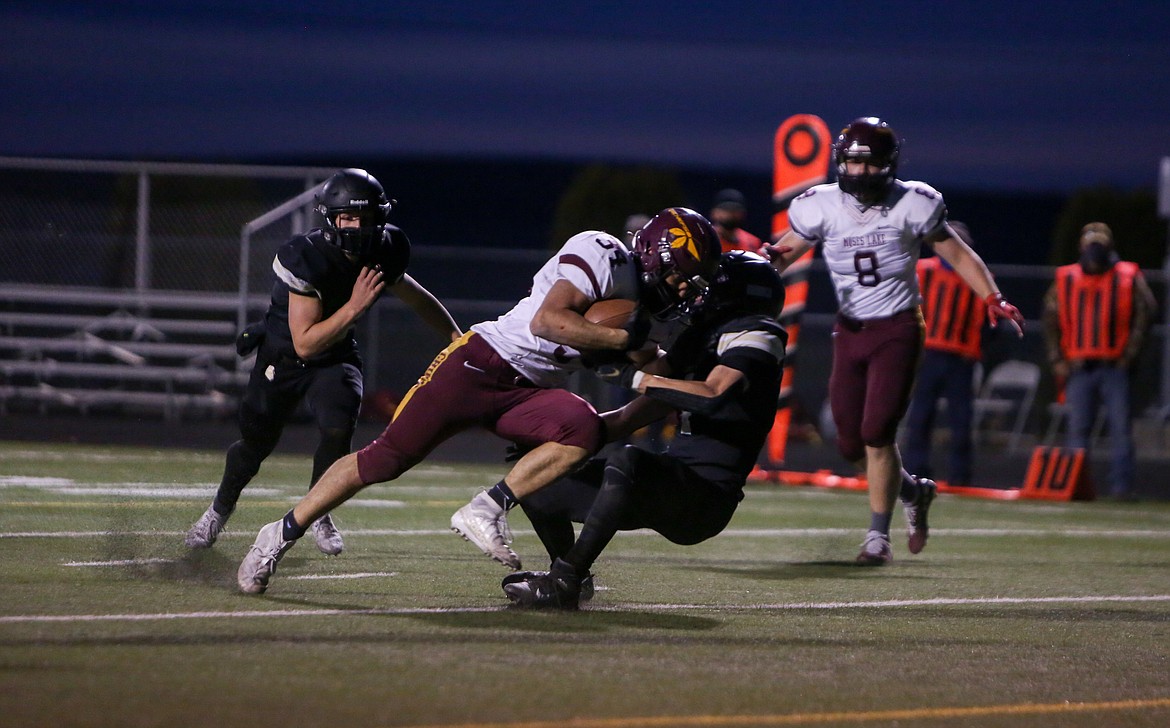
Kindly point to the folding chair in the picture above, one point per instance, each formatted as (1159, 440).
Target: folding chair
(1008, 391)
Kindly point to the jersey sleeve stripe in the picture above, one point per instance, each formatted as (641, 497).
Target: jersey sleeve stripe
(295, 284)
(760, 340)
(579, 262)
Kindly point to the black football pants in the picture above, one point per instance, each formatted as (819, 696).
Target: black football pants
(630, 489)
(275, 389)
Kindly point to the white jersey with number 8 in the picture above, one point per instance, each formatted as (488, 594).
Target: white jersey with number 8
(870, 251)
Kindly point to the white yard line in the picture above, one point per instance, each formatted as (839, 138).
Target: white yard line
(729, 533)
(283, 613)
(120, 562)
(358, 575)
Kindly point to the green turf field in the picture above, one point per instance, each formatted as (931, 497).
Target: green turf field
(1016, 614)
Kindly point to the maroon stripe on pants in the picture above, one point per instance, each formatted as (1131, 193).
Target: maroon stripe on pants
(470, 385)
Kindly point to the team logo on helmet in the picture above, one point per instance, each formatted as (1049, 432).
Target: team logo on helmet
(681, 238)
(678, 245)
(355, 192)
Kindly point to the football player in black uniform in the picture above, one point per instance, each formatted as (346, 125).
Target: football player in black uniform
(326, 279)
(725, 370)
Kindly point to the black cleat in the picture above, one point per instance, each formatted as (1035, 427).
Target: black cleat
(587, 586)
(556, 589)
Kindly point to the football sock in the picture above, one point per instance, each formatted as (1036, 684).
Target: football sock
(564, 570)
(503, 496)
(291, 531)
(880, 522)
(555, 532)
(910, 487)
(242, 463)
(334, 445)
(613, 503)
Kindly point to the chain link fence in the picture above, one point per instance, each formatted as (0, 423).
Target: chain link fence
(214, 229)
(139, 226)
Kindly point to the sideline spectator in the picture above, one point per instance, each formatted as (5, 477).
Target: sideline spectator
(1096, 315)
(728, 216)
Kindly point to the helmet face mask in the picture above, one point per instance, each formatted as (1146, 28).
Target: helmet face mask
(745, 283)
(873, 142)
(677, 246)
(357, 193)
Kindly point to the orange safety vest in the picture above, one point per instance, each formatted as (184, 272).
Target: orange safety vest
(1095, 311)
(953, 312)
(743, 241)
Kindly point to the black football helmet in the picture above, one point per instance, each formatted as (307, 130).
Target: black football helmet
(356, 192)
(745, 283)
(867, 139)
(679, 241)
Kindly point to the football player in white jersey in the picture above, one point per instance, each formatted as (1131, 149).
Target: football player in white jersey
(504, 375)
(870, 227)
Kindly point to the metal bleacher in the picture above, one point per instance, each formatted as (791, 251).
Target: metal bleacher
(166, 354)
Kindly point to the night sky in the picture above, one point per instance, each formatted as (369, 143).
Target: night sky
(988, 95)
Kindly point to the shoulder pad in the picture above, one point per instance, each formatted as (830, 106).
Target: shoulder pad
(300, 264)
(393, 255)
(752, 332)
(922, 188)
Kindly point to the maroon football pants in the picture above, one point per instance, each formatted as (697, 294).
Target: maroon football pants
(874, 363)
(470, 385)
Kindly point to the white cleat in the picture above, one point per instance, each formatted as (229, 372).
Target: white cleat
(482, 522)
(875, 550)
(206, 530)
(327, 536)
(260, 563)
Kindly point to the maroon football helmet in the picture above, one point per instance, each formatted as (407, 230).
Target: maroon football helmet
(867, 139)
(676, 240)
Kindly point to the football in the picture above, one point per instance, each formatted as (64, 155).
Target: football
(613, 313)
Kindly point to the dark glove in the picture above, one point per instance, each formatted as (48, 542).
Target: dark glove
(638, 327)
(251, 338)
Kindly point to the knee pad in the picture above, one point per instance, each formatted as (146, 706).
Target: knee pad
(335, 438)
(851, 447)
(879, 436)
(243, 461)
(584, 430)
(257, 440)
(380, 462)
(625, 463)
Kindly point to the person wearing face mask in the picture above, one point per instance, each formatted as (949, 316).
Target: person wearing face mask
(1096, 315)
(728, 215)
